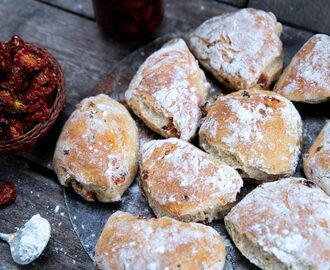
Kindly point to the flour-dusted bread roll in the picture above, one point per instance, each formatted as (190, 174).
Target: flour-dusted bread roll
(317, 161)
(283, 225)
(168, 91)
(183, 182)
(97, 151)
(242, 49)
(133, 243)
(307, 78)
(257, 132)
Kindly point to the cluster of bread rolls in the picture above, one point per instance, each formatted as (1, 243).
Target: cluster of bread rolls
(252, 133)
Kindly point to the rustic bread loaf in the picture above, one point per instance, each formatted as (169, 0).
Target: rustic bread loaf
(133, 243)
(256, 132)
(241, 49)
(168, 91)
(97, 151)
(307, 78)
(317, 161)
(283, 225)
(183, 182)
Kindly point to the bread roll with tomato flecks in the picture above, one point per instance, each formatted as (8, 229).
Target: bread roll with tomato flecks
(168, 91)
(183, 182)
(97, 151)
(257, 132)
(128, 242)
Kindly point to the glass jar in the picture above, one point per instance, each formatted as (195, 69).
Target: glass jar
(128, 20)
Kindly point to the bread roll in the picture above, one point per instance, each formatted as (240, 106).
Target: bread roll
(317, 161)
(257, 132)
(283, 225)
(97, 151)
(133, 243)
(183, 182)
(307, 78)
(241, 49)
(168, 91)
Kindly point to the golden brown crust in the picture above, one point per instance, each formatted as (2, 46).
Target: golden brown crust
(317, 161)
(131, 243)
(283, 225)
(168, 90)
(258, 132)
(183, 182)
(97, 150)
(307, 78)
(241, 49)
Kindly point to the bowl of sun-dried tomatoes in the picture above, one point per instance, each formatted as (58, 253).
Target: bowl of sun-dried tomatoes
(32, 94)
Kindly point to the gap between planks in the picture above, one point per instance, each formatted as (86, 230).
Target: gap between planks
(44, 2)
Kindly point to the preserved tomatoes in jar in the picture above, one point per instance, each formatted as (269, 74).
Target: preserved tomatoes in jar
(128, 20)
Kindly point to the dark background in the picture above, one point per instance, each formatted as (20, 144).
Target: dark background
(313, 15)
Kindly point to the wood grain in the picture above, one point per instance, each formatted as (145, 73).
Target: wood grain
(37, 194)
(81, 7)
(312, 15)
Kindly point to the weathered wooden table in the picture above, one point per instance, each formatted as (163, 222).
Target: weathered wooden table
(68, 30)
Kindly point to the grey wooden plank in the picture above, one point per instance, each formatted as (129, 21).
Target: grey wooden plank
(83, 7)
(184, 16)
(11, 16)
(239, 3)
(37, 194)
(311, 15)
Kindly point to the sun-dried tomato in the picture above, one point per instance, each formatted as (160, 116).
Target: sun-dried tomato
(12, 104)
(39, 112)
(30, 59)
(7, 193)
(16, 128)
(5, 59)
(43, 85)
(14, 44)
(16, 78)
(91, 196)
(37, 106)
(28, 85)
(45, 78)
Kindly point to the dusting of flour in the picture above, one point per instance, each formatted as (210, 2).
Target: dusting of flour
(34, 238)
